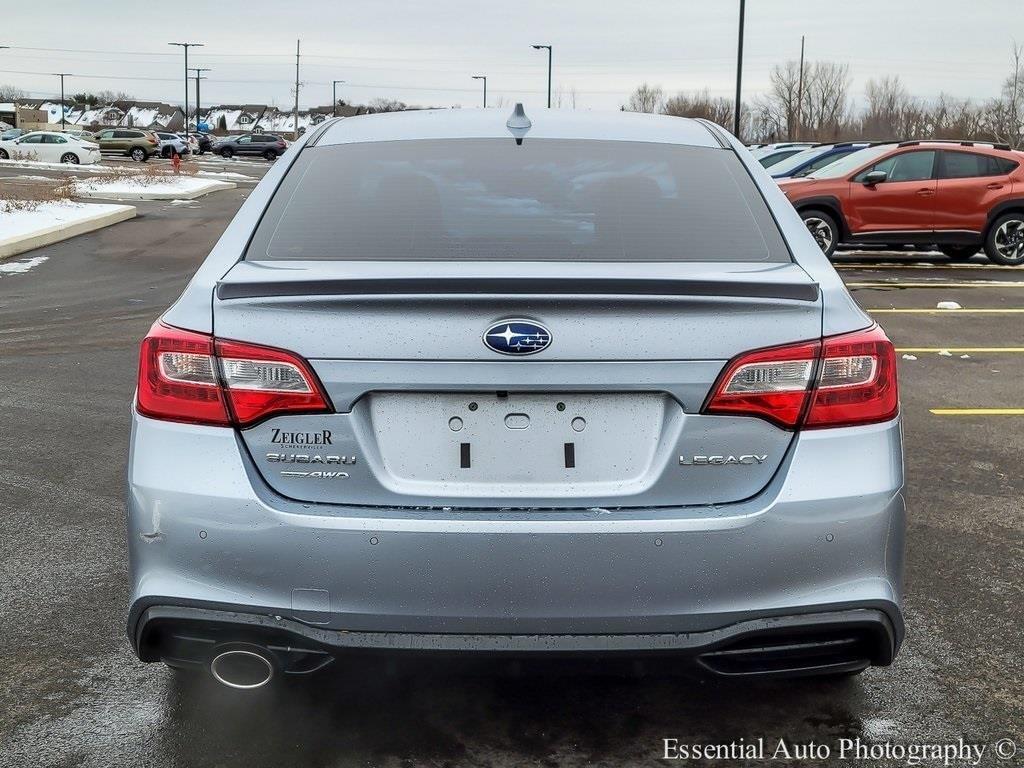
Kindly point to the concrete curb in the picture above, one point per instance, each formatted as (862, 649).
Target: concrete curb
(207, 188)
(12, 246)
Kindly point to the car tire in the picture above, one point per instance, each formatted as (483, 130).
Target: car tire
(166, 152)
(70, 158)
(4, 155)
(227, 153)
(1004, 242)
(138, 155)
(270, 155)
(823, 229)
(959, 252)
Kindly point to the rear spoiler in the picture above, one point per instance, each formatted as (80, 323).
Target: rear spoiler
(794, 290)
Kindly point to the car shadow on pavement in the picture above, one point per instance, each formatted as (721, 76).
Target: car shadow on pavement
(545, 714)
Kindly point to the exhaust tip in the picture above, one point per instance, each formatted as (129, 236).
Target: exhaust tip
(242, 669)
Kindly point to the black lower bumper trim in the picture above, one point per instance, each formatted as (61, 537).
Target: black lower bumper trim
(834, 641)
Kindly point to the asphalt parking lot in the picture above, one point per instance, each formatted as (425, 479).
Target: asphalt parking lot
(72, 693)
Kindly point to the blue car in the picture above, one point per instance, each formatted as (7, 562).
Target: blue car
(810, 160)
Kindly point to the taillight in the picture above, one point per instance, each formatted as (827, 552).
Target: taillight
(839, 381)
(191, 377)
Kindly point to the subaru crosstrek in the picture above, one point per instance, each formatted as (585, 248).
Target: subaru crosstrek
(566, 383)
(959, 196)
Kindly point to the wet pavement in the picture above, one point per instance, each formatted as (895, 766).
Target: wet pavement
(72, 693)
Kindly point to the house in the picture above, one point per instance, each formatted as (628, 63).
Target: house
(153, 115)
(234, 118)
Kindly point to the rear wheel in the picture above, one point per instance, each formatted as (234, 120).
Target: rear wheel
(823, 229)
(270, 155)
(227, 153)
(70, 158)
(139, 155)
(959, 252)
(1004, 243)
(167, 152)
(4, 155)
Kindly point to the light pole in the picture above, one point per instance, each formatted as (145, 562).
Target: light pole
(334, 96)
(739, 73)
(539, 47)
(62, 75)
(199, 76)
(484, 78)
(186, 46)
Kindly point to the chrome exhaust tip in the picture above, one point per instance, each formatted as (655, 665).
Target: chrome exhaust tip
(242, 669)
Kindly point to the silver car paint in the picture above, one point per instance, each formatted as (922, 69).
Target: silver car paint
(825, 530)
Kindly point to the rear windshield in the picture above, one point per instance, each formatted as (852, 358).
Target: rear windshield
(544, 200)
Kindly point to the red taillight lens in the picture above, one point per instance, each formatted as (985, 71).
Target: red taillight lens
(190, 377)
(178, 378)
(840, 381)
(260, 381)
(857, 381)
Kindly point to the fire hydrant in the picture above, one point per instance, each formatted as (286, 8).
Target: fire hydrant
(176, 162)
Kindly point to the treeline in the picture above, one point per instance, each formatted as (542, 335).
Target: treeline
(822, 108)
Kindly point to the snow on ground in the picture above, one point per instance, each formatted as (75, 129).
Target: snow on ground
(23, 223)
(226, 175)
(21, 265)
(151, 188)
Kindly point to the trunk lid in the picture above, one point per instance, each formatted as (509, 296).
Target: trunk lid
(606, 415)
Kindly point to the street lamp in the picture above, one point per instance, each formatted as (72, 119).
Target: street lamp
(62, 75)
(739, 73)
(539, 47)
(199, 76)
(186, 46)
(484, 78)
(334, 96)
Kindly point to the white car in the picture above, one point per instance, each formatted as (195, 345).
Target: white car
(171, 143)
(50, 147)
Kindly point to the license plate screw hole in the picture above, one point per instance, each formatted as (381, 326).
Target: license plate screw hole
(473, 406)
(560, 406)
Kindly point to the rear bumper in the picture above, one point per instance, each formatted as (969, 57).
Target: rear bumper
(816, 643)
(825, 536)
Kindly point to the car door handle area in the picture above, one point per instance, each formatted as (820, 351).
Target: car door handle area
(993, 186)
(926, 192)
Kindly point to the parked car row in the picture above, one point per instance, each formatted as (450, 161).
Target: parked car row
(138, 144)
(956, 196)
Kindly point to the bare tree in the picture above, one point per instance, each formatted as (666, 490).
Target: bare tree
(388, 105)
(703, 105)
(11, 93)
(1005, 115)
(646, 98)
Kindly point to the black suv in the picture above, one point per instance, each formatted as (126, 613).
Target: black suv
(266, 145)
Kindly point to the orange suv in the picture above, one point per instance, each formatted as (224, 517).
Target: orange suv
(958, 196)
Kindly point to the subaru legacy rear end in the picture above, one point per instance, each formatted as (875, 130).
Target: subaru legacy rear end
(564, 383)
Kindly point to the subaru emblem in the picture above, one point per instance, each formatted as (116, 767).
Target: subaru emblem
(517, 337)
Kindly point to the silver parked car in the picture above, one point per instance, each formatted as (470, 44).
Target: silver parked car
(569, 382)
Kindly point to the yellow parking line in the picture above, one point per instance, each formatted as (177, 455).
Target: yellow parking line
(964, 284)
(1017, 310)
(936, 350)
(978, 411)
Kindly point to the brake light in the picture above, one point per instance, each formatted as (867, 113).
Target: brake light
(840, 381)
(194, 378)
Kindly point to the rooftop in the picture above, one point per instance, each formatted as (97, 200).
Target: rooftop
(547, 124)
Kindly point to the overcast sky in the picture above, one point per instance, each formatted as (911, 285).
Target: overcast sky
(425, 52)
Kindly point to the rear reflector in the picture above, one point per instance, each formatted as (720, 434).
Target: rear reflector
(191, 377)
(839, 381)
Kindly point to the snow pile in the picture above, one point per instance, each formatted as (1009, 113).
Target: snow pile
(948, 305)
(14, 224)
(21, 266)
(148, 187)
